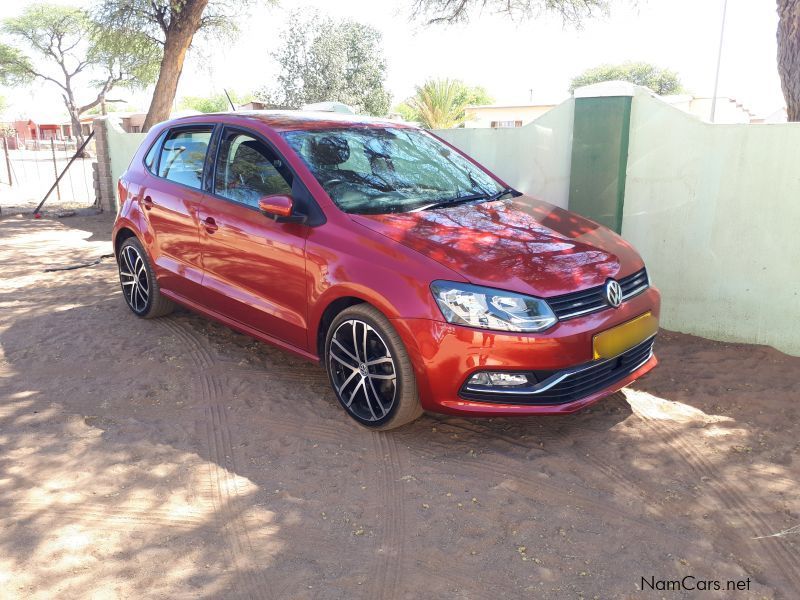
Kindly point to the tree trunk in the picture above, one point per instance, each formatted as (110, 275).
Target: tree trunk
(178, 37)
(789, 55)
(74, 118)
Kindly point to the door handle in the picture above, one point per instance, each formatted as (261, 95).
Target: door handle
(147, 202)
(210, 224)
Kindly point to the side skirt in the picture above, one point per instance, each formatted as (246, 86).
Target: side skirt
(240, 327)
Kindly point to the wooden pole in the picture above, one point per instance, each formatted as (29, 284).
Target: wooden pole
(55, 168)
(8, 161)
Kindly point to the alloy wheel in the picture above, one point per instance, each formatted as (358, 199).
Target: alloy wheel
(133, 276)
(362, 370)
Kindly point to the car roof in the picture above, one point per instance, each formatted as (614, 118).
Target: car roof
(294, 120)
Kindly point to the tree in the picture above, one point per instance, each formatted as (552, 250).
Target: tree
(789, 55)
(63, 47)
(441, 103)
(458, 11)
(171, 25)
(214, 104)
(661, 81)
(322, 59)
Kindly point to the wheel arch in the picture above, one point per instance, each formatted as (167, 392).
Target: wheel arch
(334, 307)
(122, 234)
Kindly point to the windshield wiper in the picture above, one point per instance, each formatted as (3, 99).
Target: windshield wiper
(452, 202)
(464, 199)
(502, 193)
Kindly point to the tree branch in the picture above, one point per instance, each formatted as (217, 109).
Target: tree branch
(160, 13)
(107, 86)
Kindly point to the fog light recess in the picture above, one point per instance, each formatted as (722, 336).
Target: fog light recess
(501, 379)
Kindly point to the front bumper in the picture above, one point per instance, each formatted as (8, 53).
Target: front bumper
(445, 356)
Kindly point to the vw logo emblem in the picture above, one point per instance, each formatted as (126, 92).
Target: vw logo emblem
(613, 293)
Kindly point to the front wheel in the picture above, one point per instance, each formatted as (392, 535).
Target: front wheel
(369, 369)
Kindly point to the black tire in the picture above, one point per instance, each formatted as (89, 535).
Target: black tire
(374, 341)
(138, 281)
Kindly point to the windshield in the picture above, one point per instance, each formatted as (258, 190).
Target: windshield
(386, 170)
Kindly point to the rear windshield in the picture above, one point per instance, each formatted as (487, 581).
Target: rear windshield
(388, 170)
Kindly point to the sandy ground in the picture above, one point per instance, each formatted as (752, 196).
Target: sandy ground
(176, 459)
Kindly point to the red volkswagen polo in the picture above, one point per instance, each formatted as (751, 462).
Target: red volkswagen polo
(418, 278)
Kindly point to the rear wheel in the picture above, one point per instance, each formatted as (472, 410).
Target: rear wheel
(369, 369)
(139, 286)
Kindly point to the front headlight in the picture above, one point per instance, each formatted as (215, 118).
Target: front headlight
(487, 308)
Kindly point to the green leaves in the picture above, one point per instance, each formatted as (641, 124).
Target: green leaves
(213, 104)
(130, 57)
(322, 59)
(661, 81)
(15, 68)
(440, 103)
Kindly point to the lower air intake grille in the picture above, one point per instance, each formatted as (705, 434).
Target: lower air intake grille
(560, 387)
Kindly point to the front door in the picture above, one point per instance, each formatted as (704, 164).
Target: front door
(254, 268)
(171, 197)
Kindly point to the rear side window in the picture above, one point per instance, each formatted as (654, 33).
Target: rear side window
(247, 170)
(152, 154)
(183, 155)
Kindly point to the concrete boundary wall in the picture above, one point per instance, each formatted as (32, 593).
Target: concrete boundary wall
(534, 159)
(715, 212)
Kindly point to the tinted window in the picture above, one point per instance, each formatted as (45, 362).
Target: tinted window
(247, 170)
(387, 169)
(183, 155)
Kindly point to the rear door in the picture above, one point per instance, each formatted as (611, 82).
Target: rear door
(254, 267)
(171, 199)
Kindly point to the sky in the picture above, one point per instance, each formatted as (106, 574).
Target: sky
(515, 62)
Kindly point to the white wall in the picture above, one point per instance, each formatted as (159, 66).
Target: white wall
(534, 159)
(482, 116)
(122, 146)
(715, 211)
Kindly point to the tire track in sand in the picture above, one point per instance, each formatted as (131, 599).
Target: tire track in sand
(387, 570)
(223, 491)
(730, 499)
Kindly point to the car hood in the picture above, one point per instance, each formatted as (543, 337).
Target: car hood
(524, 245)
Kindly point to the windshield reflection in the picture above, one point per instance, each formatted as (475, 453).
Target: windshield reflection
(381, 170)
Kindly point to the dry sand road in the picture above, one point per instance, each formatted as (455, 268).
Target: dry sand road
(176, 459)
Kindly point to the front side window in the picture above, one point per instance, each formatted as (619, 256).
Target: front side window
(381, 170)
(183, 155)
(247, 170)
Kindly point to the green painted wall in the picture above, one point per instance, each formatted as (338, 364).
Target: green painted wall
(599, 158)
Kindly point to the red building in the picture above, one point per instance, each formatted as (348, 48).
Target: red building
(43, 130)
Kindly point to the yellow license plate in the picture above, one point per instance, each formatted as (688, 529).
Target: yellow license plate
(617, 340)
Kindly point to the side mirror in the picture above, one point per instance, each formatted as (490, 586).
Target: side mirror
(280, 208)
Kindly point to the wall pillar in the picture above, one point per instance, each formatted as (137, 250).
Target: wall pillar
(105, 198)
(600, 151)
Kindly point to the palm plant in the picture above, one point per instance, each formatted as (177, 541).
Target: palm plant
(440, 103)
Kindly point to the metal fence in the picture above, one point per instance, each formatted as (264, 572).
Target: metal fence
(28, 172)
